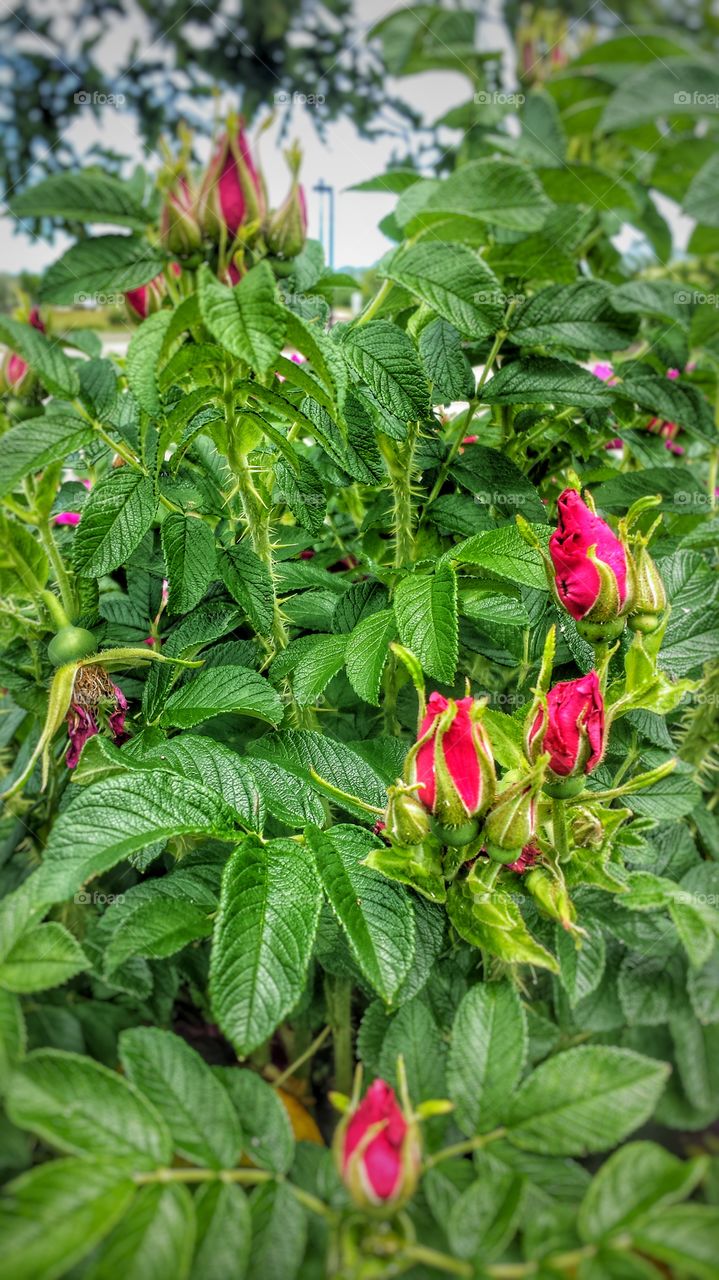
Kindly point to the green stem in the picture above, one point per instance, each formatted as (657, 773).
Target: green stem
(246, 1177)
(561, 834)
(399, 460)
(438, 1261)
(373, 307)
(305, 1056)
(62, 577)
(339, 1000)
(343, 795)
(465, 1148)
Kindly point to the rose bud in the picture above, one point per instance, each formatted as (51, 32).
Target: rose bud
(287, 229)
(650, 598)
(179, 226)
(593, 573)
(406, 821)
(15, 369)
(453, 763)
(232, 193)
(511, 823)
(145, 300)
(570, 728)
(377, 1150)
(551, 896)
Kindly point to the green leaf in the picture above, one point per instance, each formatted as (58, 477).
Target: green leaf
(579, 316)
(492, 920)
(249, 582)
(188, 546)
(54, 1215)
(279, 1232)
(155, 1237)
(580, 967)
(218, 690)
(13, 1036)
(115, 518)
(502, 192)
(44, 355)
(495, 481)
(303, 492)
(81, 197)
(267, 1131)
(157, 929)
(454, 282)
(544, 380)
(426, 611)
(685, 1236)
(83, 1108)
(384, 357)
(46, 956)
(101, 265)
(487, 1055)
(367, 653)
(640, 1177)
(504, 552)
(120, 816)
(264, 933)
(414, 1035)
(224, 1232)
(375, 914)
(247, 320)
(420, 867)
(302, 750)
(24, 566)
(143, 358)
(320, 662)
(585, 1099)
(447, 366)
(701, 199)
(675, 88)
(191, 1100)
(212, 766)
(485, 1217)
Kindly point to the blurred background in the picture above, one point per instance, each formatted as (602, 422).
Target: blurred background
(363, 86)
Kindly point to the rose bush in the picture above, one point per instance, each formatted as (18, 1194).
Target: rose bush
(363, 718)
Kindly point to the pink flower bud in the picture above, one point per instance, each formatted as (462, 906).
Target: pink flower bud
(146, 299)
(15, 368)
(377, 1150)
(232, 193)
(67, 517)
(571, 729)
(453, 761)
(593, 574)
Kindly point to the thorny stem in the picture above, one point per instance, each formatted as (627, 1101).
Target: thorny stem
(399, 459)
(339, 1001)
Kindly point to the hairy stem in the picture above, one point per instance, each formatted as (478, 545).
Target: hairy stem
(339, 1002)
(561, 834)
(67, 593)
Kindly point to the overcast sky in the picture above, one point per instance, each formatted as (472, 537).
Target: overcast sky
(343, 159)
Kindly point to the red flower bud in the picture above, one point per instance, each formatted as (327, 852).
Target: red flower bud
(15, 368)
(232, 193)
(377, 1150)
(453, 761)
(593, 576)
(571, 728)
(146, 299)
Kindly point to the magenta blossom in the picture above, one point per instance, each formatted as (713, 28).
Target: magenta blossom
(67, 517)
(571, 728)
(377, 1150)
(591, 566)
(84, 722)
(454, 763)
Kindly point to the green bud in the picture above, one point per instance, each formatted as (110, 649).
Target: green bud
(407, 822)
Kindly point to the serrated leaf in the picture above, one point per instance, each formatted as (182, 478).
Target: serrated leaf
(120, 816)
(639, 1177)
(578, 316)
(101, 265)
(384, 357)
(196, 1109)
(157, 929)
(154, 1237)
(317, 666)
(505, 553)
(247, 320)
(502, 192)
(585, 1099)
(485, 1217)
(303, 492)
(263, 938)
(367, 653)
(115, 518)
(447, 366)
(219, 690)
(492, 920)
(580, 967)
(544, 380)
(44, 355)
(223, 1232)
(279, 1232)
(55, 1214)
(46, 956)
(267, 1133)
(143, 359)
(13, 1036)
(426, 613)
(375, 914)
(249, 583)
(487, 1054)
(53, 1092)
(300, 750)
(454, 282)
(188, 546)
(212, 765)
(81, 197)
